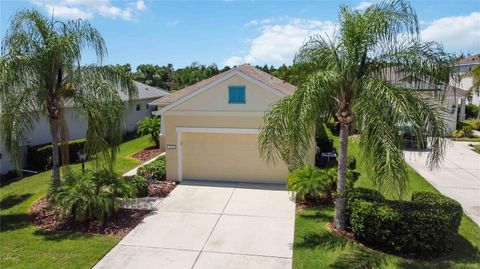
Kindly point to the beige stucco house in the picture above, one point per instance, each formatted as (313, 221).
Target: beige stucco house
(210, 129)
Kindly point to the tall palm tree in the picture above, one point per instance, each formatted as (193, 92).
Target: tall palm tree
(352, 74)
(41, 76)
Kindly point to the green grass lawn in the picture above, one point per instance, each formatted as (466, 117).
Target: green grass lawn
(476, 148)
(24, 246)
(468, 139)
(316, 247)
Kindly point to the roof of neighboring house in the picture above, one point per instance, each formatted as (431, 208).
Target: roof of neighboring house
(265, 78)
(145, 92)
(420, 83)
(475, 59)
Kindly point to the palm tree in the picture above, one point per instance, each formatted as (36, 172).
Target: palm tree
(41, 76)
(352, 76)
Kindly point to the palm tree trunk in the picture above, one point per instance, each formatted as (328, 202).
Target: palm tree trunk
(55, 152)
(341, 201)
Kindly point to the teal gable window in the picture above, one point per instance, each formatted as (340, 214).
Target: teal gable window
(236, 95)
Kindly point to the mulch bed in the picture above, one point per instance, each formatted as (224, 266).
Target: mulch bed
(160, 188)
(147, 154)
(119, 224)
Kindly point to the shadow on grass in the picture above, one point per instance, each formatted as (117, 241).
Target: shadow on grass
(360, 259)
(13, 222)
(60, 235)
(13, 200)
(318, 216)
(464, 253)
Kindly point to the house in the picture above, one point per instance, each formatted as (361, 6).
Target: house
(465, 65)
(448, 95)
(210, 129)
(137, 109)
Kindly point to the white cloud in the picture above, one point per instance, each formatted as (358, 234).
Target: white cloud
(232, 61)
(87, 9)
(172, 23)
(363, 5)
(278, 43)
(458, 33)
(140, 5)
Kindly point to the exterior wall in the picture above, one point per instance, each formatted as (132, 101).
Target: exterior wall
(77, 128)
(134, 116)
(216, 98)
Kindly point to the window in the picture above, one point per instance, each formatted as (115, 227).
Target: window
(146, 106)
(138, 107)
(236, 95)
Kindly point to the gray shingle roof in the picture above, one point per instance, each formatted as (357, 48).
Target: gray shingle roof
(145, 92)
(246, 69)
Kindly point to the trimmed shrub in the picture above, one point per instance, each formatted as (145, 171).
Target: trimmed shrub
(155, 170)
(139, 183)
(363, 194)
(422, 227)
(40, 157)
(91, 196)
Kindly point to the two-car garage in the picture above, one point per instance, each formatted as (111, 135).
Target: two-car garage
(226, 155)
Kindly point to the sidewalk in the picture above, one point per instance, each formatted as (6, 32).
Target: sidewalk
(458, 176)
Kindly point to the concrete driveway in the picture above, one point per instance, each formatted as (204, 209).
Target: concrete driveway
(457, 177)
(212, 225)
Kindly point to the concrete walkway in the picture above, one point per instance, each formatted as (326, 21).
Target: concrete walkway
(134, 170)
(212, 225)
(458, 176)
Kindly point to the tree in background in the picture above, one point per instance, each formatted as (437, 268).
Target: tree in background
(475, 88)
(351, 72)
(41, 76)
(150, 126)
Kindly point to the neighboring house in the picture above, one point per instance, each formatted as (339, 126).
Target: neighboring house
(448, 95)
(137, 109)
(210, 129)
(465, 65)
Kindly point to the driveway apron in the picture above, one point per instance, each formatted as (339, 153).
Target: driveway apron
(206, 224)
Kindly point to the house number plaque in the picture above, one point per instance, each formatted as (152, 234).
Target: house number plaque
(171, 146)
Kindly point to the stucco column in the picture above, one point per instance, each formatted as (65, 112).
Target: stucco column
(461, 115)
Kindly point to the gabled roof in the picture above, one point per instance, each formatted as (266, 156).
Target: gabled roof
(269, 81)
(418, 82)
(474, 59)
(144, 92)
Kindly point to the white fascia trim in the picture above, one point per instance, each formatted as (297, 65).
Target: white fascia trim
(217, 130)
(218, 81)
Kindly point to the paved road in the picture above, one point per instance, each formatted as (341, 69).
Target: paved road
(212, 225)
(457, 177)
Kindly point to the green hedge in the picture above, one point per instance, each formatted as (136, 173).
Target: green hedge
(40, 157)
(139, 183)
(424, 226)
(155, 170)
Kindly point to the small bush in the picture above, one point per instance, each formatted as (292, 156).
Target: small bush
(465, 132)
(424, 226)
(40, 157)
(471, 111)
(91, 196)
(473, 123)
(139, 183)
(351, 162)
(312, 184)
(155, 170)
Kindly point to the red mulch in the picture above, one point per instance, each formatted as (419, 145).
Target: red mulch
(147, 154)
(119, 224)
(345, 234)
(160, 188)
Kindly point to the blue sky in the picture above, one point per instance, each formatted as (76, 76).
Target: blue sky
(234, 32)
